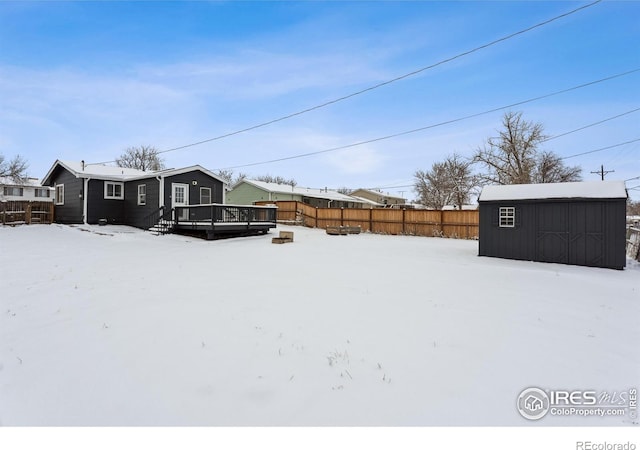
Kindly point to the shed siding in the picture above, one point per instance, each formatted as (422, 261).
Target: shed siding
(136, 215)
(72, 210)
(581, 232)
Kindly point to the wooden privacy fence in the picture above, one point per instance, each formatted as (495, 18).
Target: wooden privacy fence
(417, 222)
(25, 212)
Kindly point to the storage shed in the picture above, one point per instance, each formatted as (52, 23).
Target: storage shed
(580, 223)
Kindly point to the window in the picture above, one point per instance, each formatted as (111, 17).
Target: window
(43, 192)
(205, 196)
(113, 190)
(142, 194)
(15, 191)
(60, 194)
(507, 217)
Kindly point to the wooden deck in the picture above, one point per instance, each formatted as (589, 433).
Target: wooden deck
(214, 221)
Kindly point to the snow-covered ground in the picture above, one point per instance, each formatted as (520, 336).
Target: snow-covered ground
(114, 326)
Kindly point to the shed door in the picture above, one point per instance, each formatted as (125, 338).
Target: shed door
(552, 240)
(180, 197)
(586, 247)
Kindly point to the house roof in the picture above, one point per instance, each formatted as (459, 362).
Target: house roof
(583, 189)
(105, 172)
(306, 192)
(27, 182)
(378, 193)
(99, 171)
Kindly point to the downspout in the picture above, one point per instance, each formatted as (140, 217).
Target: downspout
(85, 203)
(160, 179)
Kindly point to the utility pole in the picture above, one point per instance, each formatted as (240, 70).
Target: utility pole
(602, 172)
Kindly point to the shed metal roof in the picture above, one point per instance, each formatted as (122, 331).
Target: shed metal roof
(581, 189)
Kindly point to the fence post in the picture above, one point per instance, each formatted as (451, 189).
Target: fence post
(403, 220)
(441, 225)
(27, 214)
(370, 220)
(341, 217)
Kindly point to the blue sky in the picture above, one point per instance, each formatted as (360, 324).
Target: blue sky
(86, 80)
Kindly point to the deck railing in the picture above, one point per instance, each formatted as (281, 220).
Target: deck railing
(160, 221)
(216, 213)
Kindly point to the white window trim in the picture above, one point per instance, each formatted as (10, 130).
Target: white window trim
(210, 193)
(13, 191)
(113, 197)
(142, 198)
(59, 194)
(507, 217)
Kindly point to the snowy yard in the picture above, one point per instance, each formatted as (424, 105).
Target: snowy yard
(114, 326)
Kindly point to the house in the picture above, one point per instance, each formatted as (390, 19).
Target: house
(580, 223)
(247, 192)
(187, 198)
(380, 198)
(28, 189)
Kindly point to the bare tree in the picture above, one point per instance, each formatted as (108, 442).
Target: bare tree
(550, 169)
(276, 179)
(344, 190)
(447, 183)
(15, 169)
(141, 158)
(633, 208)
(513, 156)
(230, 177)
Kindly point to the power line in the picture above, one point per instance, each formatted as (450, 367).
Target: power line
(601, 149)
(591, 125)
(382, 84)
(448, 122)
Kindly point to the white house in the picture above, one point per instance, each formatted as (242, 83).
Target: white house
(29, 189)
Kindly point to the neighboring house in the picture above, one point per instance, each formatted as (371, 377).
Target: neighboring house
(378, 197)
(579, 223)
(247, 192)
(29, 189)
(95, 193)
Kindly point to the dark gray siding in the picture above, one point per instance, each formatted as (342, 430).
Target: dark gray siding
(202, 180)
(136, 215)
(581, 232)
(71, 211)
(101, 208)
